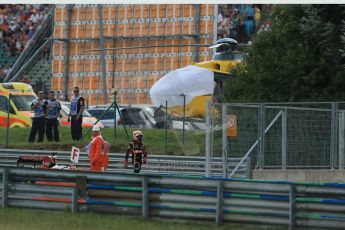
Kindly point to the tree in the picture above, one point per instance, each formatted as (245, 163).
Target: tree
(300, 59)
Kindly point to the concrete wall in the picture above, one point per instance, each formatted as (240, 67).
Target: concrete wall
(320, 175)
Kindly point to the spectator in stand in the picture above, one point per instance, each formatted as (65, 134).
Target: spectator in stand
(220, 18)
(223, 31)
(249, 21)
(2, 17)
(257, 17)
(31, 32)
(18, 24)
(235, 24)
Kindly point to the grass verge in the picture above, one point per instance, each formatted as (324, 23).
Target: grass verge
(156, 141)
(25, 219)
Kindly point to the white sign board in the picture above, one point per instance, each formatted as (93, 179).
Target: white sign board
(75, 155)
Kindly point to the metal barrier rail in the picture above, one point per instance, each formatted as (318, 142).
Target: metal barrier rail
(160, 164)
(193, 198)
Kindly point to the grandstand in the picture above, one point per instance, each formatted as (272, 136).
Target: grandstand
(131, 72)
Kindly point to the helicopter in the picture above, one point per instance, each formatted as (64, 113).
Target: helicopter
(185, 91)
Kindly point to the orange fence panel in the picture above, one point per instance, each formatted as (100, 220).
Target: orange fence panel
(71, 65)
(57, 16)
(74, 16)
(113, 11)
(94, 82)
(87, 65)
(118, 82)
(105, 11)
(81, 13)
(62, 67)
(56, 66)
(154, 13)
(170, 11)
(130, 10)
(162, 9)
(121, 15)
(135, 82)
(89, 13)
(142, 83)
(55, 83)
(145, 13)
(186, 8)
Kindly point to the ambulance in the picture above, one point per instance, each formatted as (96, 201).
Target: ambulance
(20, 96)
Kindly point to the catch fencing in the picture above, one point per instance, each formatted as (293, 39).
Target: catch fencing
(281, 135)
(176, 197)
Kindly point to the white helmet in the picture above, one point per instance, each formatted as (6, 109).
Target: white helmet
(137, 133)
(96, 128)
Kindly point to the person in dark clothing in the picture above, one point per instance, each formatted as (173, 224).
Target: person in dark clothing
(159, 116)
(39, 84)
(76, 114)
(38, 121)
(52, 123)
(137, 149)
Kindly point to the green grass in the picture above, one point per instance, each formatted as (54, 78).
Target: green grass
(25, 219)
(194, 143)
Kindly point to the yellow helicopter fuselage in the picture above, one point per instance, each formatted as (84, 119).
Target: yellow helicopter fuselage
(197, 107)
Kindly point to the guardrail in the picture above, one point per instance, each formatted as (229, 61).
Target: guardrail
(193, 198)
(160, 164)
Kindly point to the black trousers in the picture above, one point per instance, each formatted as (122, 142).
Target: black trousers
(76, 129)
(136, 161)
(38, 124)
(52, 124)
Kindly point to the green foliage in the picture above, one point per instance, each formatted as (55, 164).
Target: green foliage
(300, 59)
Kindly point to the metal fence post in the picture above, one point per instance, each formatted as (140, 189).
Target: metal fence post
(341, 146)
(284, 138)
(115, 118)
(145, 197)
(224, 141)
(67, 51)
(4, 187)
(250, 168)
(219, 208)
(74, 207)
(261, 135)
(184, 117)
(292, 208)
(208, 140)
(334, 135)
(102, 55)
(166, 128)
(8, 119)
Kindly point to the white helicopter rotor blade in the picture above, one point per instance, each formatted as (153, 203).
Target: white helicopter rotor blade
(215, 46)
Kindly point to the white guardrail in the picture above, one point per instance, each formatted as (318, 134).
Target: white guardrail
(190, 197)
(157, 164)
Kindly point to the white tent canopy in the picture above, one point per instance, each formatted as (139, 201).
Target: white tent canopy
(190, 81)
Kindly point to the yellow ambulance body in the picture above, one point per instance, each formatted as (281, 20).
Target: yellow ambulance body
(21, 96)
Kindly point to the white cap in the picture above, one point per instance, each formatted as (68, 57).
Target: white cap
(96, 128)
